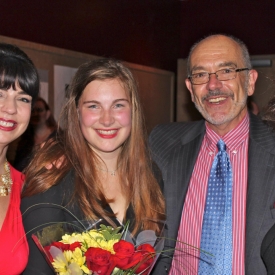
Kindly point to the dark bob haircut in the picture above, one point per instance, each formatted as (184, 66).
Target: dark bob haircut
(17, 68)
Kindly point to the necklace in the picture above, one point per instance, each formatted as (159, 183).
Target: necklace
(6, 180)
(112, 172)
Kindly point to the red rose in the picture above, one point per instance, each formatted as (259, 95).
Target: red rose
(61, 246)
(142, 259)
(123, 252)
(99, 261)
(145, 254)
(74, 245)
(146, 248)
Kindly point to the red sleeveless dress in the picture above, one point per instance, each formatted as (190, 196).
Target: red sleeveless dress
(14, 249)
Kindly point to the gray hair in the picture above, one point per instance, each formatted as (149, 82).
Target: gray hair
(244, 50)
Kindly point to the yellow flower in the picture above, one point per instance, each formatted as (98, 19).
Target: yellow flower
(67, 263)
(95, 239)
(107, 245)
(61, 262)
(79, 259)
(92, 234)
(69, 239)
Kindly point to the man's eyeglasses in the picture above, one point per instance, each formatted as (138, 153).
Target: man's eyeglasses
(222, 75)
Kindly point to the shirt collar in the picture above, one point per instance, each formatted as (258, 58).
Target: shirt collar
(232, 139)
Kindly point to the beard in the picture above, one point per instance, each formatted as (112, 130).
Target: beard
(220, 119)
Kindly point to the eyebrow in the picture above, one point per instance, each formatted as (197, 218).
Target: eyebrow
(98, 102)
(223, 64)
(23, 93)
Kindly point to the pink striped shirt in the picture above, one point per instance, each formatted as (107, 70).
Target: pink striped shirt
(185, 259)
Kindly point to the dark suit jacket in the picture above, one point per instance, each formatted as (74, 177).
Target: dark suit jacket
(175, 148)
(268, 251)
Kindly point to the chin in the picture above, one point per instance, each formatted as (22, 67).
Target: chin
(216, 119)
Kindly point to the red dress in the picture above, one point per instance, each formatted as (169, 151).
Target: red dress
(14, 249)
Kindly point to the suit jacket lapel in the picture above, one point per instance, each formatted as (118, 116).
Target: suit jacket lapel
(180, 166)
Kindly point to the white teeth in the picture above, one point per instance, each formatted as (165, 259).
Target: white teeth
(107, 132)
(6, 124)
(218, 99)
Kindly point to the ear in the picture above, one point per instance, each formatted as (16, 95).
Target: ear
(189, 87)
(253, 75)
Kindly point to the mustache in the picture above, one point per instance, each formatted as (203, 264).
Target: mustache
(217, 92)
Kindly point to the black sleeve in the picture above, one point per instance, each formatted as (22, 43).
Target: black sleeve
(42, 210)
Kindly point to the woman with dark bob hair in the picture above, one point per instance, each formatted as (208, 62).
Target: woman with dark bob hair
(104, 169)
(19, 87)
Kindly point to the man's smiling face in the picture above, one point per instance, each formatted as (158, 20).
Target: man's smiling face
(222, 103)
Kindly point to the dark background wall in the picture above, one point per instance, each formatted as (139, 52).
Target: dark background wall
(139, 31)
(253, 21)
(148, 32)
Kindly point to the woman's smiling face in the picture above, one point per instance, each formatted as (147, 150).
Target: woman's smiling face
(15, 111)
(105, 115)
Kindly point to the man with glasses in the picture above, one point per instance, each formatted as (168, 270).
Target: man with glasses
(219, 171)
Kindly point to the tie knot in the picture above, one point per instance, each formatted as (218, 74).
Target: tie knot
(221, 145)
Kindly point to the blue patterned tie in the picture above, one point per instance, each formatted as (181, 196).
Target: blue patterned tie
(216, 237)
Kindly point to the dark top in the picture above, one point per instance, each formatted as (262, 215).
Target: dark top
(44, 208)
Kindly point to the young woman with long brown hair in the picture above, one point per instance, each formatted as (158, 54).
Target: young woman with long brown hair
(105, 169)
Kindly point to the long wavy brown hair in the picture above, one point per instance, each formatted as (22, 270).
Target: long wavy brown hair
(72, 150)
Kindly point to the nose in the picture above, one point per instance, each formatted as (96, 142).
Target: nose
(213, 82)
(9, 106)
(106, 118)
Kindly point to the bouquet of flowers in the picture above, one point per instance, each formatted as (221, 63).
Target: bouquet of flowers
(102, 251)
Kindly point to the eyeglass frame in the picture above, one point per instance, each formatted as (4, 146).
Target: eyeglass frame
(236, 71)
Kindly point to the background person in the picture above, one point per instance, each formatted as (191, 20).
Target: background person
(19, 86)
(106, 171)
(220, 79)
(42, 125)
(42, 121)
